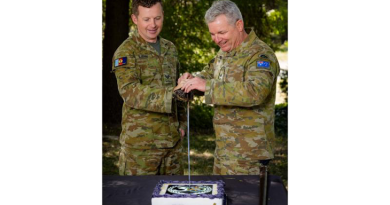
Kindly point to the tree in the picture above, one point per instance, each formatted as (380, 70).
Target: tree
(116, 30)
(184, 25)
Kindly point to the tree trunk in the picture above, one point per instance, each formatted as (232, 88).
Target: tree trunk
(116, 31)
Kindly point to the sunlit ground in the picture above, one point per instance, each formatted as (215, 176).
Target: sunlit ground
(283, 63)
(202, 149)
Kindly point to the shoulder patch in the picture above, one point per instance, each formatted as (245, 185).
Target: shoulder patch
(120, 61)
(263, 64)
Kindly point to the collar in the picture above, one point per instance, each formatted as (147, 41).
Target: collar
(247, 41)
(145, 45)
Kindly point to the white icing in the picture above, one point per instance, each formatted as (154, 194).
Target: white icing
(165, 186)
(186, 201)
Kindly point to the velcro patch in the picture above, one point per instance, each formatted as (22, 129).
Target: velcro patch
(120, 61)
(263, 56)
(262, 64)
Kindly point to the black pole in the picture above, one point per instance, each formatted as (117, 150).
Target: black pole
(263, 181)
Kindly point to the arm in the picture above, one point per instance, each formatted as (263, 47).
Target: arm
(257, 84)
(136, 95)
(208, 71)
(199, 81)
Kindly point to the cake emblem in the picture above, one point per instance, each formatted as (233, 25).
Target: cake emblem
(192, 189)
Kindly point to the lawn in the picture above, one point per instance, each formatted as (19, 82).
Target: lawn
(202, 149)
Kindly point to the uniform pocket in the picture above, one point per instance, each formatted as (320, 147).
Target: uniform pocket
(148, 72)
(169, 70)
(165, 132)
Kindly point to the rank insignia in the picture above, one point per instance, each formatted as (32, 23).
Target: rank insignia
(262, 64)
(120, 61)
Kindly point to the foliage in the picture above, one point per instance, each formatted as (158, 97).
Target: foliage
(103, 17)
(184, 25)
(111, 149)
(201, 117)
(281, 120)
(279, 164)
(277, 23)
(112, 129)
(284, 83)
(279, 167)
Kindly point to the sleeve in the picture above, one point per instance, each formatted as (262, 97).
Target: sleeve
(208, 71)
(133, 93)
(260, 76)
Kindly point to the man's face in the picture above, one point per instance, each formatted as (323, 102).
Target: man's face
(225, 35)
(149, 22)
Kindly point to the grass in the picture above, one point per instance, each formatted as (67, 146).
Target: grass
(201, 154)
(202, 149)
(111, 149)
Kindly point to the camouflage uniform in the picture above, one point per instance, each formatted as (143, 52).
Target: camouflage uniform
(241, 84)
(150, 140)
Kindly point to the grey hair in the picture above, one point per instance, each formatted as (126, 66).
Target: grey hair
(226, 7)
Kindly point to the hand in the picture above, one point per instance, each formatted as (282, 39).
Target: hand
(180, 84)
(195, 83)
(184, 77)
(182, 133)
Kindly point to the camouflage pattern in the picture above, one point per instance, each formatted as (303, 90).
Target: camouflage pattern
(235, 166)
(150, 116)
(243, 94)
(151, 161)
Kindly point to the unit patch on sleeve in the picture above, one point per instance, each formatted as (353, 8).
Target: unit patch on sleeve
(120, 61)
(263, 64)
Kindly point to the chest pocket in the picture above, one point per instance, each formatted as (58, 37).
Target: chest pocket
(148, 72)
(169, 70)
(228, 71)
(235, 72)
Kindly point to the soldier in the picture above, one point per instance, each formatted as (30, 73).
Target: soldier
(147, 68)
(241, 84)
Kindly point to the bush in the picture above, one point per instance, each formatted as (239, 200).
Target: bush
(201, 117)
(281, 120)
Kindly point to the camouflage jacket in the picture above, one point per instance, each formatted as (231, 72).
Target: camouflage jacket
(241, 84)
(145, 82)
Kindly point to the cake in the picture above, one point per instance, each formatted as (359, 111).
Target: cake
(183, 193)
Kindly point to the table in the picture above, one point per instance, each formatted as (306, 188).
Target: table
(240, 189)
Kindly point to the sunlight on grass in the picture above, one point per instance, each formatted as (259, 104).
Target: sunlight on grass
(282, 56)
(202, 157)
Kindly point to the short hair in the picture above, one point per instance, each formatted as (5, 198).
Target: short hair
(226, 7)
(144, 3)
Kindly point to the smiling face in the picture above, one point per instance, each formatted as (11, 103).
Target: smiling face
(225, 35)
(149, 22)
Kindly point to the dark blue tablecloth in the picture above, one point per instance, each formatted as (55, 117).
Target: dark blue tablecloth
(240, 189)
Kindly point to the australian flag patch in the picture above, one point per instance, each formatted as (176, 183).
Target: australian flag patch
(262, 64)
(120, 61)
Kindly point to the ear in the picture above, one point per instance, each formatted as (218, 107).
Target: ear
(240, 25)
(134, 18)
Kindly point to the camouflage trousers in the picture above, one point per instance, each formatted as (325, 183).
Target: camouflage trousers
(233, 165)
(166, 161)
